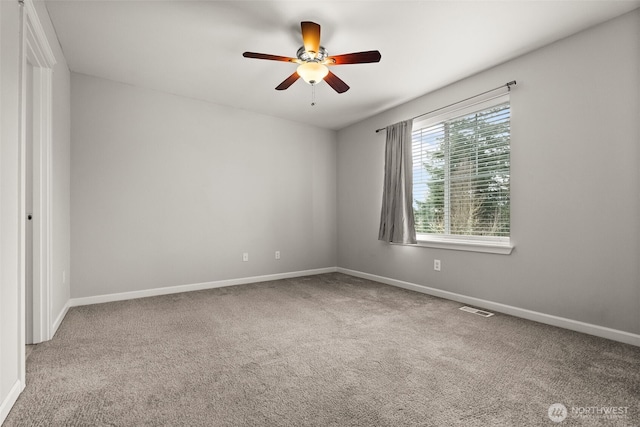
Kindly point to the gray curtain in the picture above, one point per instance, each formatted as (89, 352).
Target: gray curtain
(396, 218)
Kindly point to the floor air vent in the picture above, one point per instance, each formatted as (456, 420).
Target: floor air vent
(476, 311)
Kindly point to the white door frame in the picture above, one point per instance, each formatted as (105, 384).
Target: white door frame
(36, 50)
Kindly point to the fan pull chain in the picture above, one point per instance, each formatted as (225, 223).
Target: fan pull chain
(313, 95)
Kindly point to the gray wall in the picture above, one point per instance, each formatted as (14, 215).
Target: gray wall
(61, 171)
(575, 185)
(9, 203)
(171, 191)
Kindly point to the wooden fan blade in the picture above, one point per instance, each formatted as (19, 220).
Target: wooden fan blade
(311, 37)
(336, 83)
(269, 57)
(288, 81)
(355, 58)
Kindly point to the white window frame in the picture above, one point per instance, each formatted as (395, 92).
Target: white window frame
(486, 244)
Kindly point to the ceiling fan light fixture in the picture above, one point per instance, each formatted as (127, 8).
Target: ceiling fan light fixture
(313, 59)
(312, 72)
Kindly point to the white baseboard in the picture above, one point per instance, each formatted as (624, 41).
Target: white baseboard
(574, 325)
(58, 321)
(98, 299)
(9, 401)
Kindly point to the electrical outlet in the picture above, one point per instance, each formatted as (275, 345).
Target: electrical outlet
(436, 264)
(245, 256)
(277, 254)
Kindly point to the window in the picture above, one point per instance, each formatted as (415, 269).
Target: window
(461, 174)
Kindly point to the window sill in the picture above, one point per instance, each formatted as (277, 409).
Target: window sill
(501, 248)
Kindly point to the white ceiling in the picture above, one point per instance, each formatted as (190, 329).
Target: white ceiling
(194, 48)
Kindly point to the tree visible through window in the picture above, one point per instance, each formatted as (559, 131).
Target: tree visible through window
(461, 175)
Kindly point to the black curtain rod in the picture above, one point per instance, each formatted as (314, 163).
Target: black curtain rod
(508, 85)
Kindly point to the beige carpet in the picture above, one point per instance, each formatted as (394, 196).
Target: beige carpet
(28, 349)
(328, 350)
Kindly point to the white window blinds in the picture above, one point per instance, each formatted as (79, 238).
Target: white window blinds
(461, 173)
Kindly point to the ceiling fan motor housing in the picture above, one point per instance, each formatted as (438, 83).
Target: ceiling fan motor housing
(305, 56)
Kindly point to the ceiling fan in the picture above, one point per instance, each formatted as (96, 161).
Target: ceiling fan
(314, 60)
